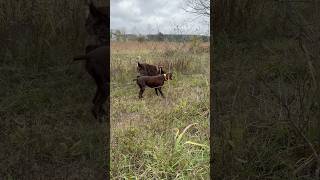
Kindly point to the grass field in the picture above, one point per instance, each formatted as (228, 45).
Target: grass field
(160, 138)
(266, 109)
(46, 128)
(266, 92)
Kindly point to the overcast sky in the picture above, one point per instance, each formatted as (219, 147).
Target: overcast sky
(149, 16)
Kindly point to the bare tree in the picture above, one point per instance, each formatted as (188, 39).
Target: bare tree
(199, 7)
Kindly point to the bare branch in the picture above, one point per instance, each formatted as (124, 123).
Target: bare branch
(200, 7)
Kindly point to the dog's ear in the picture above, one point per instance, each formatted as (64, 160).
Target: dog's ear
(161, 70)
(139, 65)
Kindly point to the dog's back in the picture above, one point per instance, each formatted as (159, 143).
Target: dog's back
(149, 70)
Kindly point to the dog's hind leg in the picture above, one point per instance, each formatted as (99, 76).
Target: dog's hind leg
(98, 109)
(100, 97)
(156, 89)
(101, 102)
(96, 96)
(141, 92)
(96, 80)
(103, 98)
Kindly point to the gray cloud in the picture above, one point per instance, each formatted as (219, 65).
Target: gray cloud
(149, 16)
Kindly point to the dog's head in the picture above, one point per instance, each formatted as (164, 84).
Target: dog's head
(140, 68)
(168, 76)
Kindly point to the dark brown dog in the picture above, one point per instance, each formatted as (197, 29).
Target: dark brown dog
(145, 69)
(153, 82)
(97, 67)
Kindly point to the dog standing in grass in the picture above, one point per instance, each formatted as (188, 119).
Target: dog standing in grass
(97, 55)
(97, 66)
(155, 82)
(145, 69)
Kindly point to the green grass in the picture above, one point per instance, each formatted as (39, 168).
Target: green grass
(255, 135)
(46, 124)
(144, 143)
(46, 129)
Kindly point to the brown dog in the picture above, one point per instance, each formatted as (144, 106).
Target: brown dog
(145, 69)
(97, 67)
(153, 82)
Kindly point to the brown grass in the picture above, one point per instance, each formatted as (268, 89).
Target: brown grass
(135, 46)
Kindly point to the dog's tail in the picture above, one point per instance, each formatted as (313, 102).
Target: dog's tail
(81, 57)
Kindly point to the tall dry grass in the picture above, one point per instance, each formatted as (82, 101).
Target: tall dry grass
(136, 46)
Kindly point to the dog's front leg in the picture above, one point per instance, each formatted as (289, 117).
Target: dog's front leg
(159, 89)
